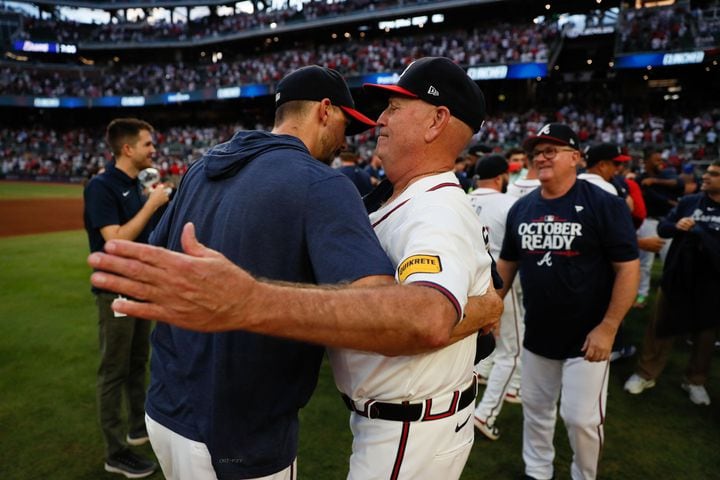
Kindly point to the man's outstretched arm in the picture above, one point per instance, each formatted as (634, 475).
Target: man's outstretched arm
(204, 291)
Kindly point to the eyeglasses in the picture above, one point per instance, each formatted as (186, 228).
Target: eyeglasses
(712, 173)
(550, 152)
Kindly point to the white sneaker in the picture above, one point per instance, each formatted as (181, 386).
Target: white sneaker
(490, 431)
(636, 384)
(698, 394)
(513, 395)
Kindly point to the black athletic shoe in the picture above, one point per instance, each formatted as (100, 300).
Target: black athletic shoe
(131, 465)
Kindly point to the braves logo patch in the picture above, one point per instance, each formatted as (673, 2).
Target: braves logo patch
(419, 264)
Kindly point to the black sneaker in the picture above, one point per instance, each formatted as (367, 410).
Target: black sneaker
(131, 465)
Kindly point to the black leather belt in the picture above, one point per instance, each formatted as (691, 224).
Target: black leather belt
(412, 412)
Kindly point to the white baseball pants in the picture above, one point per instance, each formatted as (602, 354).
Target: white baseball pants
(183, 459)
(649, 229)
(505, 372)
(581, 387)
(393, 450)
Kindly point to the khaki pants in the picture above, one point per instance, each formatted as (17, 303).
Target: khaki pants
(124, 349)
(655, 351)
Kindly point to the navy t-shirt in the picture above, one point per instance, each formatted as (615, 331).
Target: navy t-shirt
(112, 198)
(565, 248)
(240, 392)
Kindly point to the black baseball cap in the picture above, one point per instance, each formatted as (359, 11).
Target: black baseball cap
(440, 82)
(558, 133)
(316, 83)
(600, 152)
(479, 149)
(490, 166)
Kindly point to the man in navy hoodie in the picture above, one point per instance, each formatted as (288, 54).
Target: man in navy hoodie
(234, 397)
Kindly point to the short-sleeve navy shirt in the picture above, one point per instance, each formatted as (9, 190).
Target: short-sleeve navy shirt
(112, 198)
(565, 248)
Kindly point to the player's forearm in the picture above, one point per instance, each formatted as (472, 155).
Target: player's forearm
(133, 228)
(481, 312)
(627, 279)
(392, 320)
(507, 271)
(665, 182)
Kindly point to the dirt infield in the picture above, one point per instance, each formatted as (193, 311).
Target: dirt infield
(24, 217)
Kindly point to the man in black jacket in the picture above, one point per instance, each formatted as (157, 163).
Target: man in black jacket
(687, 300)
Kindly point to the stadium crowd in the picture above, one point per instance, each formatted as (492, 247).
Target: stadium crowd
(499, 43)
(80, 152)
(679, 27)
(213, 25)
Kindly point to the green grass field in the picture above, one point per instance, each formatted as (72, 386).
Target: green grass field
(48, 426)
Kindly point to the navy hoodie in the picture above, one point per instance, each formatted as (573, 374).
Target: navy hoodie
(271, 208)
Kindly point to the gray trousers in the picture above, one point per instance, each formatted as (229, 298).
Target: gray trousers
(124, 349)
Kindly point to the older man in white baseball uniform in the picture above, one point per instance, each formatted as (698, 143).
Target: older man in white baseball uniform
(411, 414)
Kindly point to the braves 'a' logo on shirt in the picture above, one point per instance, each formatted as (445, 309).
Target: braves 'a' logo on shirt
(549, 233)
(545, 260)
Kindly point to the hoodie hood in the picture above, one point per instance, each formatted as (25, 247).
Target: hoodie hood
(227, 159)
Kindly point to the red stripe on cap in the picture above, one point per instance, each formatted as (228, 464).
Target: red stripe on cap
(622, 158)
(391, 89)
(358, 116)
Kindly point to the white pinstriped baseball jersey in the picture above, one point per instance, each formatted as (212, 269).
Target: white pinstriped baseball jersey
(492, 208)
(433, 238)
(522, 187)
(598, 181)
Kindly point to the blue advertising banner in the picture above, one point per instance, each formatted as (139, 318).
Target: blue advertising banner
(660, 59)
(246, 91)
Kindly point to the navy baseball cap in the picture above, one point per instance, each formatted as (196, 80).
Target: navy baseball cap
(479, 149)
(557, 133)
(490, 166)
(600, 152)
(316, 83)
(440, 82)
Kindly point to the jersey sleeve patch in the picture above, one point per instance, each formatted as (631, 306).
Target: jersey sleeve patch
(418, 264)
